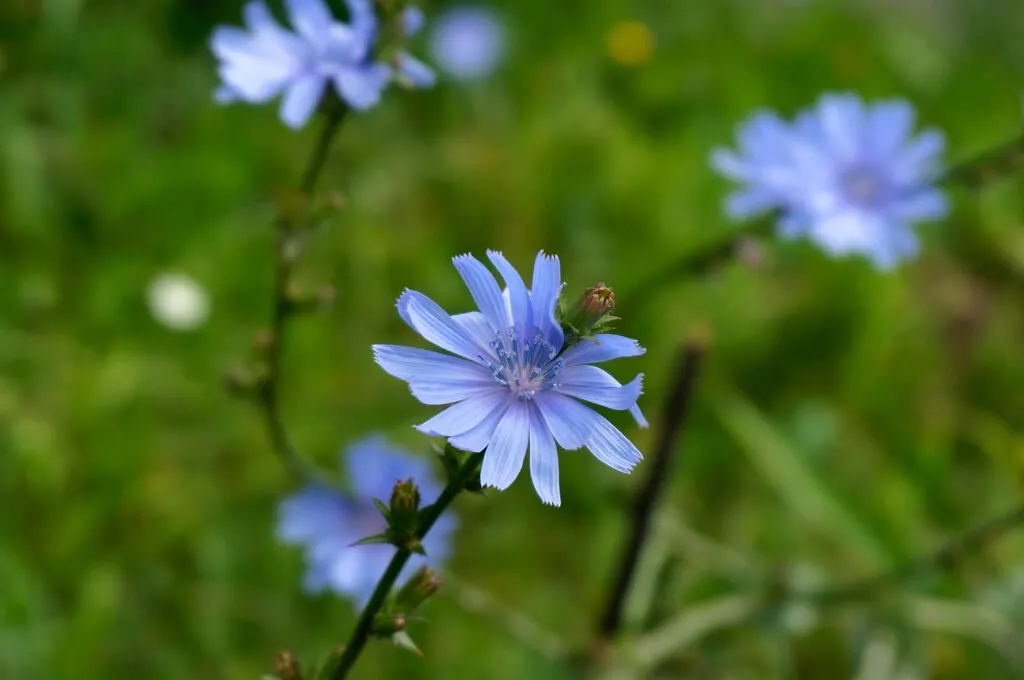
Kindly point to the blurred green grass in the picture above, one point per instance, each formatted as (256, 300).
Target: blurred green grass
(137, 531)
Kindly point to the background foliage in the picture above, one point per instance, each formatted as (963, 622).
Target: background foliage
(846, 420)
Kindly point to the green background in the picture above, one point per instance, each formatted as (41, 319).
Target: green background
(846, 419)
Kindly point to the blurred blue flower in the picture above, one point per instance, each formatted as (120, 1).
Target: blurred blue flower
(851, 176)
(513, 383)
(326, 523)
(468, 42)
(267, 60)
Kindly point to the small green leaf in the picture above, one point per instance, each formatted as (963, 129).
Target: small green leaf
(383, 507)
(376, 538)
(402, 639)
(795, 481)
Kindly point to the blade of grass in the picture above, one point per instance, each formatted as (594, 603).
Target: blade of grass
(792, 478)
(650, 650)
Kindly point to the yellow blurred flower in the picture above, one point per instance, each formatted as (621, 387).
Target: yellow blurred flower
(630, 43)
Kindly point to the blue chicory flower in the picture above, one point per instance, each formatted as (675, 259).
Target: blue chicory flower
(851, 176)
(512, 382)
(326, 523)
(468, 42)
(267, 60)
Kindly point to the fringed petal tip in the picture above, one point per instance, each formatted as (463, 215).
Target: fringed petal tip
(541, 255)
(638, 416)
(634, 410)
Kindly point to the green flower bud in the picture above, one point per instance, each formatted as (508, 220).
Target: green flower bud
(418, 589)
(595, 302)
(385, 624)
(591, 314)
(286, 666)
(405, 499)
(404, 516)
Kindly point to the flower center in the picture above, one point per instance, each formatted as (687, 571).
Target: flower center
(863, 185)
(524, 368)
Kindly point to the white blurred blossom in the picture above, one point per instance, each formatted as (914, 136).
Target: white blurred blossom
(177, 301)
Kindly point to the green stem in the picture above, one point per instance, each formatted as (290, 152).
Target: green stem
(361, 633)
(701, 260)
(335, 117)
(269, 399)
(945, 557)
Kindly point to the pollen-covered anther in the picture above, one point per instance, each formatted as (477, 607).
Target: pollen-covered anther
(524, 369)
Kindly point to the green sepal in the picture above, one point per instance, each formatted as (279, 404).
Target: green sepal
(453, 459)
(383, 508)
(369, 540)
(402, 639)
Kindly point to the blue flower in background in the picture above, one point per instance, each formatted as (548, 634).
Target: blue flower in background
(267, 60)
(760, 164)
(468, 42)
(851, 176)
(513, 384)
(326, 523)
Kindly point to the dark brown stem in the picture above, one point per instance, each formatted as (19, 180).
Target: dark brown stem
(676, 410)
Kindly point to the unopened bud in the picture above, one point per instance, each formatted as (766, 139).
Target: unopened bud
(420, 587)
(286, 666)
(595, 302)
(244, 382)
(404, 516)
(591, 314)
(405, 498)
(385, 624)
